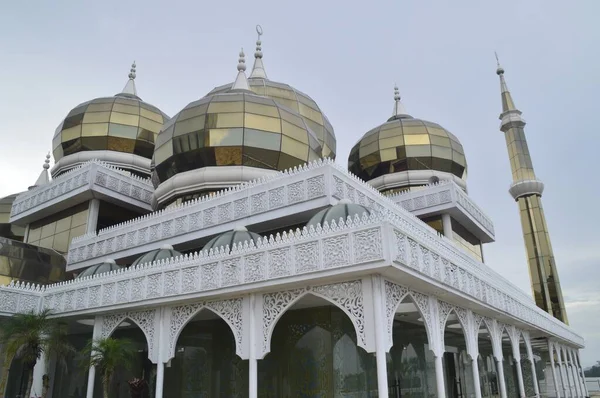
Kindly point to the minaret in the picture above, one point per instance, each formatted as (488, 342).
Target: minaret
(527, 190)
(44, 177)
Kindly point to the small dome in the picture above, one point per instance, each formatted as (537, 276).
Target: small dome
(123, 123)
(102, 268)
(343, 209)
(166, 251)
(238, 236)
(417, 148)
(234, 129)
(299, 102)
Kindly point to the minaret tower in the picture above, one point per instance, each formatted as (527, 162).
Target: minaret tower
(527, 190)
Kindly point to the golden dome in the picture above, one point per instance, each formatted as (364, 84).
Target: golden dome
(405, 144)
(301, 103)
(123, 123)
(234, 129)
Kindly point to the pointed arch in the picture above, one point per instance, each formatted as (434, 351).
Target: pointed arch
(394, 296)
(347, 296)
(229, 311)
(445, 310)
(145, 320)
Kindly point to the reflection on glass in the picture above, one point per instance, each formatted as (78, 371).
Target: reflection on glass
(314, 354)
(56, 231)
(205, 363)
(24, 262)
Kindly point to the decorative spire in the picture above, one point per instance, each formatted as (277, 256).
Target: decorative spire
(44, 177)
(130, 86)
(241, 82)
(507, 101)
(399, 110)
(258, 70)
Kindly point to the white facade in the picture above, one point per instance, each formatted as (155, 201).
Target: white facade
(365, 266)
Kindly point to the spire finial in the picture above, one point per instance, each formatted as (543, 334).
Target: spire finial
(46, 165)
(132, 71)
(241, 82)
(258, 52)
(242, 61)
(399, 111)
(500, 70)
(258, 70)
(396, 93)
(130, 88)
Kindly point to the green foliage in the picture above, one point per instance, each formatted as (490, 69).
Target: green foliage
(107, 355)
(26, 336)
(594, 371)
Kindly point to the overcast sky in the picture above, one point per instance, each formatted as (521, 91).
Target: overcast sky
(55, 55)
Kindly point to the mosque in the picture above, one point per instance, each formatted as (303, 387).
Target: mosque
(243, 261)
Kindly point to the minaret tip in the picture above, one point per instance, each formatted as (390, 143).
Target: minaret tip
(132, 71)
(499, 70)
(258, 70)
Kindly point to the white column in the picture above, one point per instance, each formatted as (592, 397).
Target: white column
(517, 360)
(160, 378)
(447, 225)
(380, 352)
(39, 370)
(536, 387)
(476, 381)
(501, 379)
(574, 374)
(585, 390)
(92, 372)
(554, 376)
(253, 368)
(566, 390)
(439, 375)
(93, 211)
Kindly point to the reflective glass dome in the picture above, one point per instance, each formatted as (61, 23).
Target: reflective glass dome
(107, 266)
(305, 106)
(123, 123)
(342, 209)
(405, 143)
(238, 236)
(164, 252)
(234, 129)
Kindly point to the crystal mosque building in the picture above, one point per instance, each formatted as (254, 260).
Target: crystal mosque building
(243, 261)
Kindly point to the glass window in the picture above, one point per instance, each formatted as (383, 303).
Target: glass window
(124, 118)
(260, 109)
(225, 137)
(56, 231)
(149, 124)
(262, 139)
(71, 133)
(94, 129)
(294, 148)
(264, 123)
(96, 117)
(101, 107)
(189, 125)
(297, 133)
(154, 116)
(122, 108)
(416, 139)
(218, 107)
(119, 130)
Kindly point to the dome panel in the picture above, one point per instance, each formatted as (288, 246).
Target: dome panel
(102, 268)
(297, 101)
(234, 129)
(165, 252)
(236, 236)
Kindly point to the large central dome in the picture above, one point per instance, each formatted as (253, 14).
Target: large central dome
(228, 138)
(292, 98)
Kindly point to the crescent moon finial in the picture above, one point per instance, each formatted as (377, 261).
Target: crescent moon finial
(259, 30)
